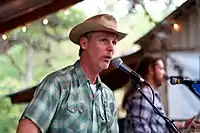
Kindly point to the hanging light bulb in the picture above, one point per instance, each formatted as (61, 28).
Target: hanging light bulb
(4, 36)
(45, 21)
(176, 27)
(24, 29)
(66, 12)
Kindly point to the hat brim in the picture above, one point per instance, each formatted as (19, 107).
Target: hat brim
(87, 27)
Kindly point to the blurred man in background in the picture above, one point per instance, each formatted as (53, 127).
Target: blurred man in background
(141, 117)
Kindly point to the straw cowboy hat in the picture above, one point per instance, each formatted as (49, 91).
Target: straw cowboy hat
(102, 22)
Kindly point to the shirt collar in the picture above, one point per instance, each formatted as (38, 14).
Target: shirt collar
(156, 91)
(82, 78)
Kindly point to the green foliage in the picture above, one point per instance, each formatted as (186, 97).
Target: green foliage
(7, 68)
(72, 18)
(9, 116)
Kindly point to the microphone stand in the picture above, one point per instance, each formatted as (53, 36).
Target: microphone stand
(169, 122)
(192, 89)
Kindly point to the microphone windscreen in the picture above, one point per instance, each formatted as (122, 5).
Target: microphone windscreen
(173, 81)
(116, 62)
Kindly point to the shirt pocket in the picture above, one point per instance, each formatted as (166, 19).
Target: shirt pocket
(75, 114)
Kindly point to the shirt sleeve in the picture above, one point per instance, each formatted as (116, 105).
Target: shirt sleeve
(140, 113)
(43, 106)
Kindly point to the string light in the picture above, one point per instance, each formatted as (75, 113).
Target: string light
(176, 27)
(45, 21)
(4, 36)
(66, 12)
(24, 29)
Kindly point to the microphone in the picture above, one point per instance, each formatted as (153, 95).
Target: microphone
(118, 63)
(180, 80)
(189, 83)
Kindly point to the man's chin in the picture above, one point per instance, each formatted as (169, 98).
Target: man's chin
(158, 85)
(105, 66)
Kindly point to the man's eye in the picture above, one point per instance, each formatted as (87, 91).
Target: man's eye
(114, 42)
(103, 39)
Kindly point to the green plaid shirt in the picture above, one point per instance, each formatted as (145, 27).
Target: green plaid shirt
(63, 103)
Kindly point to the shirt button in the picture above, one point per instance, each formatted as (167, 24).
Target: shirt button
(105, 104)
(81, 111)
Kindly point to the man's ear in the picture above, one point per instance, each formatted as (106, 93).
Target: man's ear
(83, 42)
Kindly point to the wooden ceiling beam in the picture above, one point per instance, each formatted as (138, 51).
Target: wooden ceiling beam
(54, 6)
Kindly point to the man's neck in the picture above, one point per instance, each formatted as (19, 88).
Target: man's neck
(89, 71)
(152, 84)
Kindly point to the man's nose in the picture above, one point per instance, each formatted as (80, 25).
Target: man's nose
(111, 47)
(164, 73)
